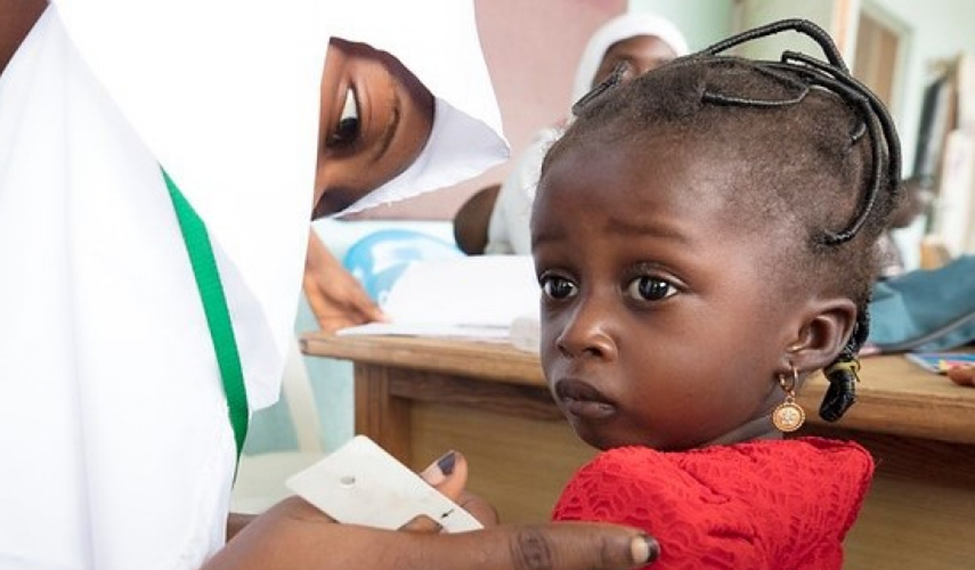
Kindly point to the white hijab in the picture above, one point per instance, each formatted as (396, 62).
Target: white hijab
(622, 27)
(111, 407)
(226, 96)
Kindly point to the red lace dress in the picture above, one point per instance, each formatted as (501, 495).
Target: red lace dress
(762, 505)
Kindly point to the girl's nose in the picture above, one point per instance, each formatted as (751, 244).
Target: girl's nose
(587, 333)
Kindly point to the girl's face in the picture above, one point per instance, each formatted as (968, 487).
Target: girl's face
(659, 328)
(375, 119)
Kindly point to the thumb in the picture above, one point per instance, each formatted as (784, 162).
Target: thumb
(448, 474)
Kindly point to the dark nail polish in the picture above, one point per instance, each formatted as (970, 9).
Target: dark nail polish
(446, 463)
(644, 549)
(654, 549)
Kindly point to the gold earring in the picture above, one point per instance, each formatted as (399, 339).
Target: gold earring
(789, 416)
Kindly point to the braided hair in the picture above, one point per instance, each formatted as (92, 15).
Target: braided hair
(837, 186)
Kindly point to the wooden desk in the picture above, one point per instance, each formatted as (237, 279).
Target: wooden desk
(420, 397)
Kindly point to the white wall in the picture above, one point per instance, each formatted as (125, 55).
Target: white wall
(702, 21)
(938, 29)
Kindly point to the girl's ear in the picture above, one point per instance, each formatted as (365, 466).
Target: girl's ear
(824, 328)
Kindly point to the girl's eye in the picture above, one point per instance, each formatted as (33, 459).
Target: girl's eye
(558, 287)
(347, 129)
(646, 288)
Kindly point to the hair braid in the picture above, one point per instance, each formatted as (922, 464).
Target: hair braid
(842, 372)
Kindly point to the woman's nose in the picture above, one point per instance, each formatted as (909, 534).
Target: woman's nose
(587, 333)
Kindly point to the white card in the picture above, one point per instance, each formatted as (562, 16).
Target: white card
(360, 483)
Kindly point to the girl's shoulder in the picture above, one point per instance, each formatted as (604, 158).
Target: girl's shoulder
(767, 456)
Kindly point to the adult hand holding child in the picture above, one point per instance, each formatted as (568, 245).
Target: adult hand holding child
(296, 531)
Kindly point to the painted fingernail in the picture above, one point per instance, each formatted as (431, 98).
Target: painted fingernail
(440, 469)
(447, 462)
(644, 549)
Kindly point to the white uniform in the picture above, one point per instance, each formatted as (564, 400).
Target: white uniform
(508, 228)
(117, 452)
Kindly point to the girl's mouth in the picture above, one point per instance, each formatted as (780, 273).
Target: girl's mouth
(582, 400)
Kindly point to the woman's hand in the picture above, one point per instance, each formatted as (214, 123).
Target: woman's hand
(335, 296)
(294, 535)
(297, 536)
(449, 475)
(963, 375)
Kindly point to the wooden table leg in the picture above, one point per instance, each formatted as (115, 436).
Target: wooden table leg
(380, 415)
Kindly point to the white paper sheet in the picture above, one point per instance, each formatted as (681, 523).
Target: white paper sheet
(471, 297)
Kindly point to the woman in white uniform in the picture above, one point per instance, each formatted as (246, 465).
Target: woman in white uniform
(637, 41)
(115, 385)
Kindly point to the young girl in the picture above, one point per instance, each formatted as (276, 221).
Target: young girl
(704, 237)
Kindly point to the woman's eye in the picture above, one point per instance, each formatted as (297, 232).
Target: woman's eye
(646, 288)
(622, 71)
(347, 129)
(558, 287)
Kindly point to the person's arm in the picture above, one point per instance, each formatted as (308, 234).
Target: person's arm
(19, 16)
(297, 536)
(336, 298)
(472, 220)
(236, 523)
(963, 375)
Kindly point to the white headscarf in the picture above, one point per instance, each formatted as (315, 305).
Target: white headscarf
(466, 137)
(226, 96)
(111, 405)
(625, 26)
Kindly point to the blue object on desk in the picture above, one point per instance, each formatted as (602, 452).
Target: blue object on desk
(378, 259)
(925, 311)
